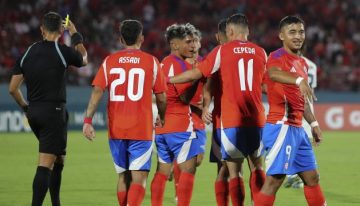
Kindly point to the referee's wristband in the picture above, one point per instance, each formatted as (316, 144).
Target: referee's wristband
(76, 39)
(298, 81)
(88, 120)
(314, 124)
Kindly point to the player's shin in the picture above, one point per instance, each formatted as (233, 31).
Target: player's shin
(221, 193)
(262, 199)
(257, 179)
(314, 196)
(157, 189)
(185, 188)
(135, 195)
(237, 191)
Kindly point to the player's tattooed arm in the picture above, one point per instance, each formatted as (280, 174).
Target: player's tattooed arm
(95, 98)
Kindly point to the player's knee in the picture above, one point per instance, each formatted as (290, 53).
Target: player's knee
(313, 180)
(199, 160)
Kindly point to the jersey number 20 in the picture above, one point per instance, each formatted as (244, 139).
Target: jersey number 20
(250, 68)
(130, 87)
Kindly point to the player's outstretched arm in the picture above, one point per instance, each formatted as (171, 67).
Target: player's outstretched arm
(88, 129)
(188, 76)
(206, 114)
(277, 75)
(15, 92)
(161, 105)
(315, 127)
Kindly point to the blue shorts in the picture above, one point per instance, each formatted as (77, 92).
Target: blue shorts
(179, 146)
(131, 154)
(287, 150)
(201, 138)
(215, 151)
(239, 142)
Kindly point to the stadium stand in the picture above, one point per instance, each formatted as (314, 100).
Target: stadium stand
(333, 32)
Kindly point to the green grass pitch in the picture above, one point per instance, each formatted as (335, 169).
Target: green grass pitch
(89, 177)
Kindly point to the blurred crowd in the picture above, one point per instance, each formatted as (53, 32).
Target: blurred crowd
(332, 30)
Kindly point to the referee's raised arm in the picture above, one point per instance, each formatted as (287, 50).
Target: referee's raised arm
(76, 40)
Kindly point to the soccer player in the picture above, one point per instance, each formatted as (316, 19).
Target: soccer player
(241, 65)
(212, 89)
(196, 102)
(195, 105)
(175, 141)
(43, 66)
(131, 76)
(288, 149)
(294, 181)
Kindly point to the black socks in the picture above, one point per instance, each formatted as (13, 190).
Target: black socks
(55, 183)
(40, 185)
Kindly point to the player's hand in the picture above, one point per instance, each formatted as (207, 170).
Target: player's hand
(88, 131)
(159, 122)
(70, 27)
(206, 116)
(317, 135)
(307, 92)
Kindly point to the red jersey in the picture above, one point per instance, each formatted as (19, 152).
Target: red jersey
(285, 100)
(242, 66)
(177, 114)
(131, 76)
(216, 93)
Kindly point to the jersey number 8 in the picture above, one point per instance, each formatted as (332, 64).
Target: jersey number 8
(130, 85)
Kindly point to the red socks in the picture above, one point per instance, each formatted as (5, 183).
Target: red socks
(314, 196)
(157, 189)
(257, 179)
(135, 195)
(185, 188)
(222, 192)
(122, 198)
(237, 191)
(262, 199)
(177, 172)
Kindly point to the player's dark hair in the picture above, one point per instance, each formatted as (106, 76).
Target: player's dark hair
(222, 26)
(52, 22)
(130, 30)
(238, 19)
(177, 31)
(194, 30)
(290, 20)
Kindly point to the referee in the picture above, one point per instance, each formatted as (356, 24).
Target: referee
(43, 68)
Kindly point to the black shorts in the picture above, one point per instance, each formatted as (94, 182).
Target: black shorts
(49, 121)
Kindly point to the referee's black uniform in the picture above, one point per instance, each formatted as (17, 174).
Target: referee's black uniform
(43, 66)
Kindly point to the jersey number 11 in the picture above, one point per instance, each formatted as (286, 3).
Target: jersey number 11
(250, 68)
